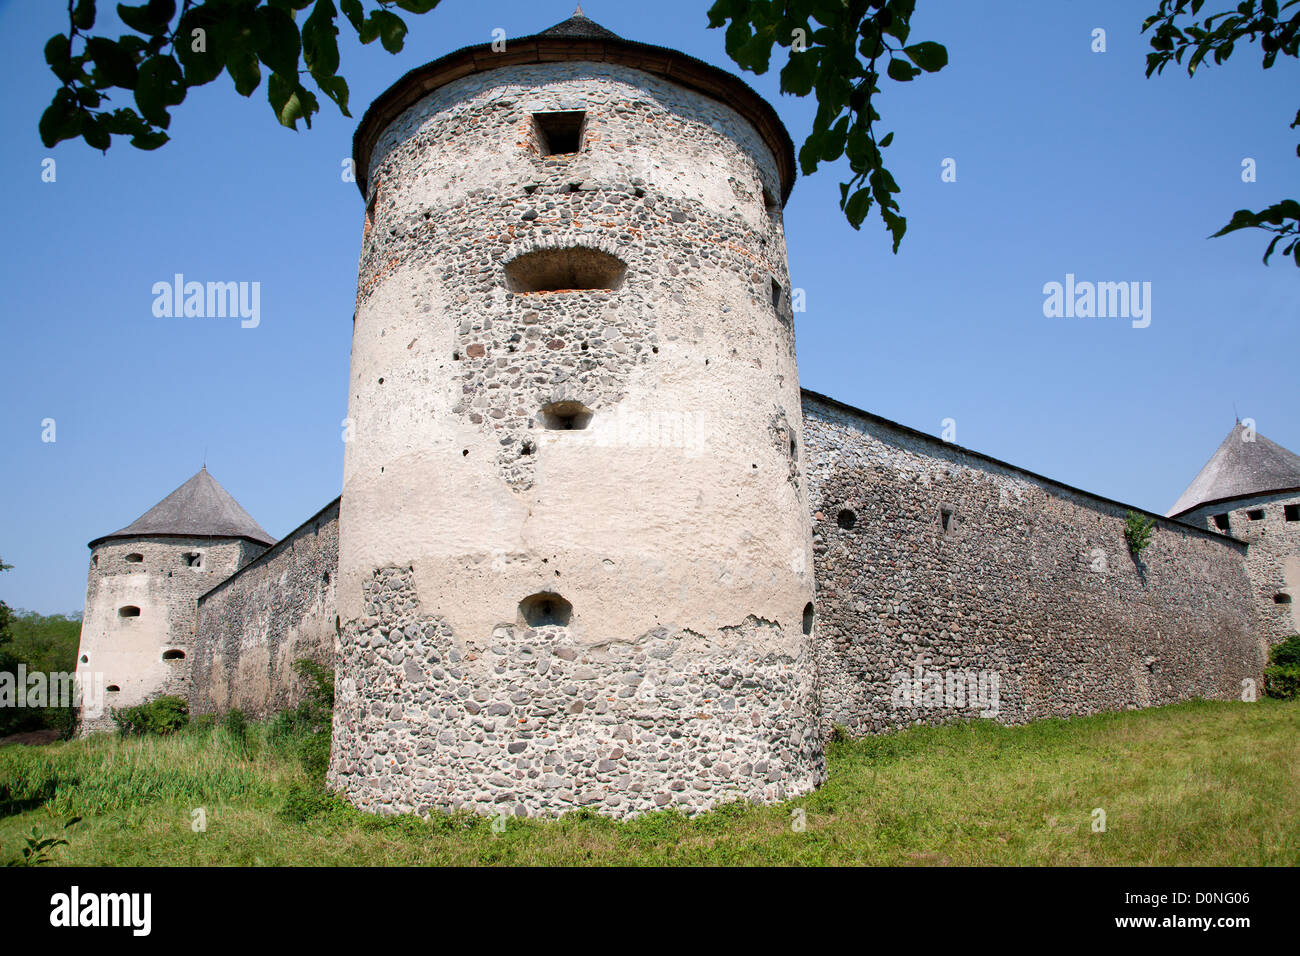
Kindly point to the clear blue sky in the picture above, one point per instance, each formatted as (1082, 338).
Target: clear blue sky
(1068, 161)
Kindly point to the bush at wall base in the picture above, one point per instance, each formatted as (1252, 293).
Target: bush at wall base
(162, 715)
(1282, 676)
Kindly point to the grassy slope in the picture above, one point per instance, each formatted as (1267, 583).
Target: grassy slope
(1197, 783)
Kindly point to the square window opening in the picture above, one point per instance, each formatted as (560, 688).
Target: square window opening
(560, 133)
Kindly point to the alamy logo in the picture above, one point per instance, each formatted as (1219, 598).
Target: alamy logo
(957, 689)
(1099, 300)
(74, 908)
(212, 300)
(60, 690)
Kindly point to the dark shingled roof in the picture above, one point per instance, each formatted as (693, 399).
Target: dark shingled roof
(578, 25)
(1241, 469)
(199, 508)
(576, 39)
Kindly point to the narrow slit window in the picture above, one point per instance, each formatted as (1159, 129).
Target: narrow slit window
(777, 292)
(560, 133)
(809, 615)
(945, 518)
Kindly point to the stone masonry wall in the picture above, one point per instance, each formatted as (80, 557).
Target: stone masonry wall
(255, 625)
(1271, 526)
(136, 658)
(1015, 596)
(536, 722)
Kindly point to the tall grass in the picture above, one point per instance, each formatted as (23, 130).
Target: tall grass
(1193, 784)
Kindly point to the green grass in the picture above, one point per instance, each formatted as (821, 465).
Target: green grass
(1202, 783)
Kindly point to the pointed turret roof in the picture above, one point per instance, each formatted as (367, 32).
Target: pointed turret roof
(198, 508)
(1245, 464)
(578, 25)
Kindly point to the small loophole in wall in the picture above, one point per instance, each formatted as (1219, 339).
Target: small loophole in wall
(808, 616)
(846, 519)
(172, 654)
(1291, 512)
(560, 133)
(1281, 599)
(129, 610)
(1255, 514)
(1221, 522)
(134, 558)
(112, 688)
(546, 608)
(85, 659)
(945, 516)
(776, 294)
(565, 416)
(193, 559)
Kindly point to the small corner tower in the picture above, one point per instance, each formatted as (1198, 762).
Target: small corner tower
(575, 545)
(142, 588)
(1250, 488)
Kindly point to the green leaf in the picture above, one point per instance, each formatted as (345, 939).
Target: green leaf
(901, 70)
(158, 85)
(929, 56)
(58, 54)
(61, 119)
(151, 19)
(856, 209)
(799, 74)
(114, 62)
(352, 10)
(279, 44)
(388, 27)
(83, 14)
(320, 46)
(244, 70)
(291, 101)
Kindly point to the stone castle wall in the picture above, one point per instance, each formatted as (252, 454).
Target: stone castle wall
(1271, 526)
(273, 612)
(930, 555)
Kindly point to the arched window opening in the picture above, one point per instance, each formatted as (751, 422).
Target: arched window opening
(808, 616)
(134, 557)
(1281, 599)
(565, 416)
(572, 269)
(545, 608)
(128, 610)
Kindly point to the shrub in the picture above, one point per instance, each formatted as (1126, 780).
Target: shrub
(1286, 654)
(1282, 682)
(1138, 531)
(162, 715)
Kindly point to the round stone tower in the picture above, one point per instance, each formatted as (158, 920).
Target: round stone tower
(141, 593)
(575, 546)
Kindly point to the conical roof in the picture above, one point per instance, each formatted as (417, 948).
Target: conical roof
(578, 25)
(1245, 464)
(199, 508)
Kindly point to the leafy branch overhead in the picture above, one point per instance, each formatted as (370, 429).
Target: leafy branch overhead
(839, 49)
(1275, 25)
(172, 50)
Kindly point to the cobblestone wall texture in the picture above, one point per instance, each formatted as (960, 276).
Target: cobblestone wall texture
(1271, 525)
(1029, 580)
(254, 626)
